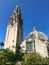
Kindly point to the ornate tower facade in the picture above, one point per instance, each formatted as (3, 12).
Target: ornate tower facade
(14, 34)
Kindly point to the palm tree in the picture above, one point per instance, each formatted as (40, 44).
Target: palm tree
(1, 45)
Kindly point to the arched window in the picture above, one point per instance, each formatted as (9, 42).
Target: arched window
(29, 47)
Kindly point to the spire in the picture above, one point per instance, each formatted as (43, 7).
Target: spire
(35, 29)
(17, 9)
(16, 15)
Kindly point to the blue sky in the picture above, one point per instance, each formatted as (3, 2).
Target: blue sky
(34, 12)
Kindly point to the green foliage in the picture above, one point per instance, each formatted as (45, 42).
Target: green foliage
(19, 54)
(34, 59)
(7, 57)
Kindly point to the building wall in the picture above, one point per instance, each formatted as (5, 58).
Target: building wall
(40, 47)
(11, 36)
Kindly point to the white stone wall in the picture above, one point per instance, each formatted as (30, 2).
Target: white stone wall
(40, 47)
(11, 37)
(23, 46)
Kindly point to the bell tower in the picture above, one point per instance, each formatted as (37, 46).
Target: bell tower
(14, 34)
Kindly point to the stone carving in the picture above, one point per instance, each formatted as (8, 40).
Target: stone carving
(16, 15)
